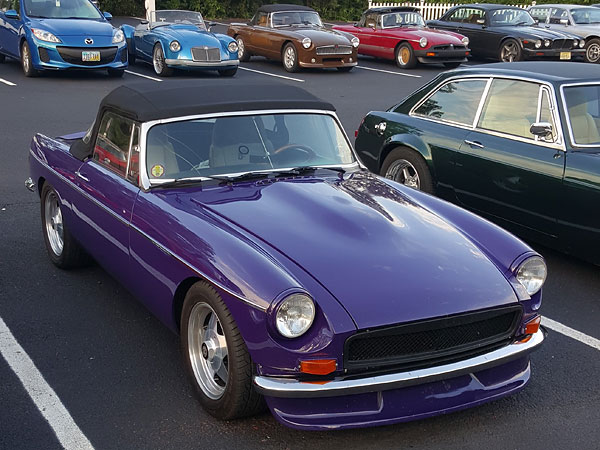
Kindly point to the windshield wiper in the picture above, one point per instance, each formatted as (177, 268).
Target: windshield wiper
(189, 181)
(522, 23)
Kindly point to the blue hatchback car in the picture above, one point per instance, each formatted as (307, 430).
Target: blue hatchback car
(60, 34)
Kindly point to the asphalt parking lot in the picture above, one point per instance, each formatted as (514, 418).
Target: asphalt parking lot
(118, 371)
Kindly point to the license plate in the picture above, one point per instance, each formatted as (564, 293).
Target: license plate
(565, 55)
(95, 56)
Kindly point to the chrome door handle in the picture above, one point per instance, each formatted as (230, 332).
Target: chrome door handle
(82, 177)
(475, 144)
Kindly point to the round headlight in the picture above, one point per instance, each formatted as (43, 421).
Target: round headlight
(306, 42)
(175, 46)
(547, 43)
(295, 315)
(582, 43)
(423, 42)
(538, 43)
(118, 37)
(232, 47)
(532, 274)
(355, 42)
(465, 41)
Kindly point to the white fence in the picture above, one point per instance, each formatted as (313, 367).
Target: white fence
(430, 11)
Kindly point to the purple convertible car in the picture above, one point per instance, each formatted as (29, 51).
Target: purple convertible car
(241, 217)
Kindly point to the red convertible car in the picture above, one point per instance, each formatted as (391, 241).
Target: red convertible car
(400, 33)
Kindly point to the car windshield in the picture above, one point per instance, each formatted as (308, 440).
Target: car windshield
(402, 19)
(288, 18)
(583, 16)
(61, 9)
(168, 17)
(510, 17)
(239, 144)
(583, 107)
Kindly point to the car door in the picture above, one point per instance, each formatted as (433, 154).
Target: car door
(559, 20)
(367, 33)
(109, 181)
(9, 28)
(257, 39)
(578, 220)
(467, 21)
(506, 172)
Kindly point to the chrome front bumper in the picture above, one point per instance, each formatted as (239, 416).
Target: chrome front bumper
(207, 64)
(290, 388)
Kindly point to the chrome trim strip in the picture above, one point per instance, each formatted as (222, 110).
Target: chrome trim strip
(484, 96)
(143, 233)
(189, 63)
(566, 110)
(291, 388)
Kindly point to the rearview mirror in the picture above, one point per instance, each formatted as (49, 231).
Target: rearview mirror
(480, 21)
(107, 15)
(541, 129)
(11, 14)
(210, 25)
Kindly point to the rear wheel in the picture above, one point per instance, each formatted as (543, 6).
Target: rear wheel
(64, 251)
(158, 62)
(452, 65)
(510, 51)
(290, 58)
(592, 51)
(407, 167)
(228, 72)
(405, 57)
(216, 358)
(116, 73)
(243, 53)
(26, 61)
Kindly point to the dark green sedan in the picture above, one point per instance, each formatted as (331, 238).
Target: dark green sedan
(518, 143)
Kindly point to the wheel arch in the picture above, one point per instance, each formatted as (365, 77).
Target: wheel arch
(410, 142)
(179, 297)
(40, 185)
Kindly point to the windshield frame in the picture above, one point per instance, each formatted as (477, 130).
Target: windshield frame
(146, 183)
(563, 100)
(33, 16)
(401, 25)
(154, 22)
(294, 11)
(507, 8)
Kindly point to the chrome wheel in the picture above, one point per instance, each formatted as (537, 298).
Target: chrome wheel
(403, 56)
(404, 172)
(54, 223)
(592, 53)
(207, 350)
(26, 58)
(158, 60)
(289, 57)
(510, 52)
(241, 49)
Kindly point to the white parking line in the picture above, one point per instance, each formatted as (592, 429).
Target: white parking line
(44, 397)
(10, 83)
(570, 332)
(272, 75)
(143, 76)
(389, 71)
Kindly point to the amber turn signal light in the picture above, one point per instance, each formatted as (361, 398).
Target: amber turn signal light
(533, 325)
(318, 366)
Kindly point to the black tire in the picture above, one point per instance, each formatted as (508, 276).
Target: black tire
(396, 160)
(2, 58)
(27, 62)
(345, 69)
(115, 73)
(592, 51)
(158, 62)
(405, 56)
(289, 56)
(239, 399)
(72, 254)
(452, 65)
(510, 51)
(131, 58)
(228, 72)
(243, 53)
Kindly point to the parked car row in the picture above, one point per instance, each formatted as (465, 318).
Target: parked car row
(75, 34)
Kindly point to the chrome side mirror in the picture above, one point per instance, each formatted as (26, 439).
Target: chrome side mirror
(543, 130)
(564, 22)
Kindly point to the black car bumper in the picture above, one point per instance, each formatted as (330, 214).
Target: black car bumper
(565, 54)
(434, 56)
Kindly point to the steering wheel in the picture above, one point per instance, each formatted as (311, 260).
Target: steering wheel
(310, 153)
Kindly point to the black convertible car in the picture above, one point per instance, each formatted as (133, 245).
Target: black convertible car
(508, 33)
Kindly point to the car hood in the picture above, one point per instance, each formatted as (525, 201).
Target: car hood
(74, 27)
(322, 36)
(435, 37)
(534, 32)
(386, 259)
(188, 33)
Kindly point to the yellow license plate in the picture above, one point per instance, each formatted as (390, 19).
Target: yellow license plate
(95, 56)
(565, 55)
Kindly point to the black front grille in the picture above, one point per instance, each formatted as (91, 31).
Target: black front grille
(562, 44)
(431, 342)
(73, 55)
(44, 56)
(438, 48)
(206, 54)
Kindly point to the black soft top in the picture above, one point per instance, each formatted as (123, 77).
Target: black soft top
(283, 7)
(391, 9)
(147, 101)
